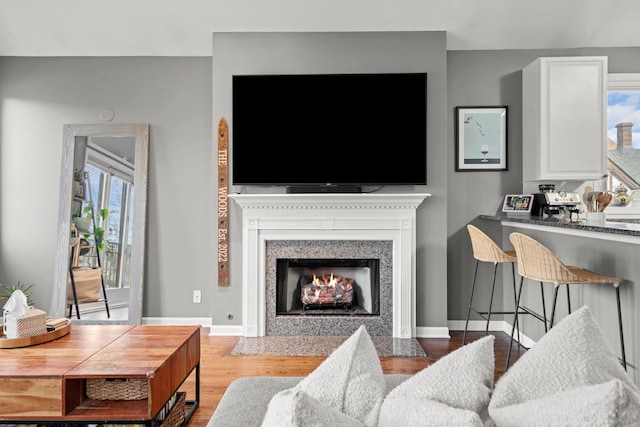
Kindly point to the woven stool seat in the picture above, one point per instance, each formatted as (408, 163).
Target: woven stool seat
(537, 262)
(488, 251)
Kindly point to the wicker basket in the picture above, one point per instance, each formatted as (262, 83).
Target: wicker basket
(177, 414)
(117, 388)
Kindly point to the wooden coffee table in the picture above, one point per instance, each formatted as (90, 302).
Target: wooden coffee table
(47, 382)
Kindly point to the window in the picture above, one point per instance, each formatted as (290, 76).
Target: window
(623, 131)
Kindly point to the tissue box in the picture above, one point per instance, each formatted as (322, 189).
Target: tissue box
(32, 323)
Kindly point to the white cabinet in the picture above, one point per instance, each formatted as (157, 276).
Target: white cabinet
(564, 118)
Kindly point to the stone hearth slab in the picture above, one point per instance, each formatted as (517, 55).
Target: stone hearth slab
(273, 345)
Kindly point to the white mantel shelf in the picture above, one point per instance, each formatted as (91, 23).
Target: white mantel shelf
(325, 216)
(330, 201)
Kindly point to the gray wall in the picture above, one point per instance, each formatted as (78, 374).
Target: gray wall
(495, 78)
(264, 53)
(479, 78)
(174, 95)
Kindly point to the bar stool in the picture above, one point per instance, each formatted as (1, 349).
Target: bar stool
(537, 262)
(486, 250)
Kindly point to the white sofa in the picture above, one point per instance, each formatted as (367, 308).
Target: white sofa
(571, 377)
(245, 401)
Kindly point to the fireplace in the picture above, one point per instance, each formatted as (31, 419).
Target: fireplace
(290, 262)
(324, 226)
(327, 286)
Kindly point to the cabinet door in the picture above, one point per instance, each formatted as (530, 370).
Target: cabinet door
(564, 118)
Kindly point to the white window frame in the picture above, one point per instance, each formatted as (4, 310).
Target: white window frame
(620, 82)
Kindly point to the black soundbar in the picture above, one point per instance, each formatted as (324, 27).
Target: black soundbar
(327, 188)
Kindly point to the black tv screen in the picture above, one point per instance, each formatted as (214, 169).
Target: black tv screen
(329, 130)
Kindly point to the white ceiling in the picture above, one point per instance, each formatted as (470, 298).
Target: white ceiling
(184, 28)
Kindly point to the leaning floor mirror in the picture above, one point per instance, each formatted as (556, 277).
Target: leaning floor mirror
(99, 267)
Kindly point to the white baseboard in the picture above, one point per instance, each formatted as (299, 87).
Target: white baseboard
(225, 331)
(421, 331)
(478, 325)
(494, 326)
(432, 332)
(205, 322)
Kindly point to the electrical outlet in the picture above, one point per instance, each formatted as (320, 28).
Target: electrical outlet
(197, 296)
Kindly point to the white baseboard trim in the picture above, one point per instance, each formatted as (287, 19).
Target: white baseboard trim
(494, 325)
(478, 325)
(432, 332)
(205, 322)
(421, 331)
(225, 331)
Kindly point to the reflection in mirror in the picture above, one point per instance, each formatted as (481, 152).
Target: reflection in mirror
(101, 230)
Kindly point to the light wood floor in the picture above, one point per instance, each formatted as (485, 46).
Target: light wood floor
(218, 367)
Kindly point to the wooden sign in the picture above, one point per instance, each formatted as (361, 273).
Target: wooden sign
(223, 203)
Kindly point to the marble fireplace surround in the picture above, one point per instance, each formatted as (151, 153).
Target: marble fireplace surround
(314, 322)
(348, 217)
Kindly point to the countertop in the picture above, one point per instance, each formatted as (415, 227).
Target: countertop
(620, 227)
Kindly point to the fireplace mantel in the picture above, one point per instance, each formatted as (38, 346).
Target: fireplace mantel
(324, 201)
(323, 216)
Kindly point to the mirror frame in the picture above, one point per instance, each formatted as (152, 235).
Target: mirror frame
(141, 134)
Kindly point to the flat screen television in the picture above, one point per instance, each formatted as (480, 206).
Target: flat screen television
(329, 132)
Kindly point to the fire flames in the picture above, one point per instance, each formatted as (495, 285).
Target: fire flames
(326, 290)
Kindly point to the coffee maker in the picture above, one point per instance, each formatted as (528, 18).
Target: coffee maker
(551, 204)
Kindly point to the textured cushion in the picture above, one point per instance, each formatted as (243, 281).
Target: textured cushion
(293, 408)
(418, 412)
(244, 403)
(573, 354)
(609, 404)
(350, 380)
(460, 381)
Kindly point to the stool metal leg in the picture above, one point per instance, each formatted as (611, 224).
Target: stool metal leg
(624, 357)
(555, 297)
(515, 300)
(544, 309)
(553, 308)
(515, 319)
(473, 288)
(493, 288)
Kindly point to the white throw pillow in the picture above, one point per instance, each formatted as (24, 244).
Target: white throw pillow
(295, 408)
(610, 404)
(419, 412)
(461, 380)
(573, 354)
(350, 380)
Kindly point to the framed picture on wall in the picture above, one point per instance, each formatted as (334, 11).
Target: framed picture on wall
(481, 138)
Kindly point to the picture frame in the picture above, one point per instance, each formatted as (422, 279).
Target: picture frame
(481, 138)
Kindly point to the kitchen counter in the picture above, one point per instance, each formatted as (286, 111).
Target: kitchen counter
(620, 229)
(609, 249)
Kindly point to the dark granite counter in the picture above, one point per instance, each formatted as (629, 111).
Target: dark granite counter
(614, 228)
